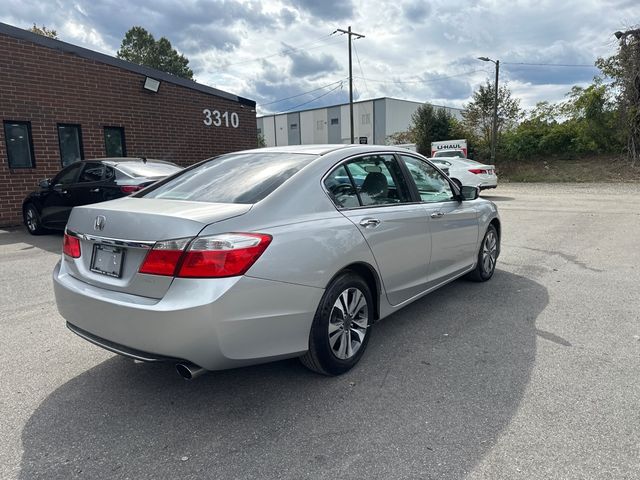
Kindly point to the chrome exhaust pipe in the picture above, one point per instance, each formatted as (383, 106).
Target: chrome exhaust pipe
(189, 371)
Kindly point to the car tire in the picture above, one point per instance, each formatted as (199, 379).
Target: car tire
(487, 256)
(31, 219)
(340, 330)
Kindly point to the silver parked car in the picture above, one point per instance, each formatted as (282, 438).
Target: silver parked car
(271, 253)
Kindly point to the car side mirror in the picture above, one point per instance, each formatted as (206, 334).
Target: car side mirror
(469, 193)
(46, 183)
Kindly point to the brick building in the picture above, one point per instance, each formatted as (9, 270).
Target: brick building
(60, 103)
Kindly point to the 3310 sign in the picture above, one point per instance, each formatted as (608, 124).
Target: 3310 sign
(220, 119)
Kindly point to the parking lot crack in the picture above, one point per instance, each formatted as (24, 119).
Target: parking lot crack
(565, 256)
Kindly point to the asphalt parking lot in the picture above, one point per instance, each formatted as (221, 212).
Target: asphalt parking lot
(533, 375)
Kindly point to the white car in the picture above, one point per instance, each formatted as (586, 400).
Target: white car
(468, 172)
(450, 152)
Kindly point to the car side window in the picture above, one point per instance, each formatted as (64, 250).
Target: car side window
(378, 180)
(342, 191)
(432, 185)
(68, 175)
(92, 172)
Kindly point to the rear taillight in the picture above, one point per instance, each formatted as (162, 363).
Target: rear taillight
(128, 189)
(163, 259)
(478, 171)
(225, 255)
(71, 246)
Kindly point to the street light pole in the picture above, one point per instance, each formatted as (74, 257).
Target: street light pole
(494, 130)
(357, 35)
(494, 133)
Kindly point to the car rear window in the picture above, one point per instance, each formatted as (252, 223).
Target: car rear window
(149, 169)
(449, 154)
(232, 178)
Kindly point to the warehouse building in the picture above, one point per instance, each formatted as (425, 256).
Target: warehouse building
(373, 122)
(60, 103)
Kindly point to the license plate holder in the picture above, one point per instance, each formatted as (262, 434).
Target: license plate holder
(107, 260)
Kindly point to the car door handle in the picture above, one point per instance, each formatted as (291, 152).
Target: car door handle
(437, 215)
(94, 190)
(369, 222)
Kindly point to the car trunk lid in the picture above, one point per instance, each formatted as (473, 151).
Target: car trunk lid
(116, 236)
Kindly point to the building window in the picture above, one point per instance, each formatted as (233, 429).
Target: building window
(335, 121)
(114, 142)
(17, 136)
(70, 141)
(294, 126)
(319, 125)
(366, 119)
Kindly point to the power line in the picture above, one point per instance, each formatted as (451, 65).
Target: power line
(312, 100)
(433, 80)
(360, 65)
(578, 65)
(300, 94)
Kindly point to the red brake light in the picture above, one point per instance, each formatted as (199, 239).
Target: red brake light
(163, 259)
(71, 246)
(128, 189)
(226, 255)
(477, 170)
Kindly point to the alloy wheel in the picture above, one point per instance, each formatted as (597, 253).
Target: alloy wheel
(348, 323)
(489, 252)
(31, 219)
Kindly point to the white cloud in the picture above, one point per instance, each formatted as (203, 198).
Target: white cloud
(410, 51)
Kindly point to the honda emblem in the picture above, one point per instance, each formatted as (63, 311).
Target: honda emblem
(99, 222)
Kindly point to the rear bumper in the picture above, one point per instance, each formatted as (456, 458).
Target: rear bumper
(490, 182)
(214, 323)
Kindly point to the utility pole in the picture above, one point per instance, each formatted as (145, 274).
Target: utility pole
(494, 130)
(629, 98)
(357, 35)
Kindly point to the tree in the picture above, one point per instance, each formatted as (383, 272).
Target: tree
(594, 116)
(44, 31)
(139, 46)
(478, 114)
(583, 124)
(400, 138)
(430, 125)
(624, 69)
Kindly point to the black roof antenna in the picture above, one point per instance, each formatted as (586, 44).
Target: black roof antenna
(144, 159)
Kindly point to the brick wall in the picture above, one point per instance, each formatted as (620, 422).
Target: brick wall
(48, 87)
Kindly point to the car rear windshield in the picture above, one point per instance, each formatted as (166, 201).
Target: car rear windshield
(148, 169)
(449, 153)
(232, 178)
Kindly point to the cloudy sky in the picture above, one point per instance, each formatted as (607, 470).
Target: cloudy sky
(285, 55)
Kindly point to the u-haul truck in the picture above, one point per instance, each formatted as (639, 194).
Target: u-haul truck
(449, 145)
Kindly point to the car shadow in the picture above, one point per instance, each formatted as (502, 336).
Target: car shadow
(496, 198)
(51, 242)
(438, 385)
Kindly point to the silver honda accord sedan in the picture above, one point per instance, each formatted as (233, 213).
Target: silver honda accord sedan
(271, 253)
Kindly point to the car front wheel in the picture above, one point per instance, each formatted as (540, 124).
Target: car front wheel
(32, 220)
(340, 329)
(487, 256)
